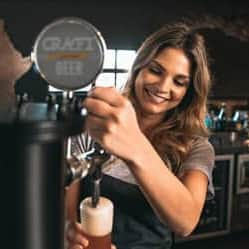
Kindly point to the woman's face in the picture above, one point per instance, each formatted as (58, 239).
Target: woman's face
(162, 84)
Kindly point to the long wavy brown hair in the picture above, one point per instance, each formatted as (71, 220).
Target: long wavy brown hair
(172, 138)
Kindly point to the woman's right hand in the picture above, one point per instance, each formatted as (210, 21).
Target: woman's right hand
(74, 236)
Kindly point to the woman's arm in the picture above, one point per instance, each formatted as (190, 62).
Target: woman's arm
(112, 122)
(176, 202)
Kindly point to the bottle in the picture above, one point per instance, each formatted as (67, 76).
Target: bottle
(236, 120)
(214, 119)
(222, 118)
(208, 121)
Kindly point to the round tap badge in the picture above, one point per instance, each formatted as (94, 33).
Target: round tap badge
(69, 53)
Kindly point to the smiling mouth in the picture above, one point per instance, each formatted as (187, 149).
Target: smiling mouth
(155, 96)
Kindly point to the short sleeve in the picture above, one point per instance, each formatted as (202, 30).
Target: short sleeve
(201, 157)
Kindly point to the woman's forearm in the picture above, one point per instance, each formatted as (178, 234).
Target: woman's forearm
(170, 199)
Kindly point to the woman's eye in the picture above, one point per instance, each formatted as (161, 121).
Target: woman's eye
(154, 70)
(180, 83)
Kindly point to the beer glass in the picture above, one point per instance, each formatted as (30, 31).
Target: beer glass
(97, 222)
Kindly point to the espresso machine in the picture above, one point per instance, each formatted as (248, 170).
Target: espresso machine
(37, 160)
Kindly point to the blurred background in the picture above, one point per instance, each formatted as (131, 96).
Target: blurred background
(124, 25)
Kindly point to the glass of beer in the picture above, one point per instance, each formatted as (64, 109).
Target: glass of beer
(97, 222)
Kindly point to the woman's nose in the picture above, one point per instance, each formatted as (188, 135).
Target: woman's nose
(166, 85)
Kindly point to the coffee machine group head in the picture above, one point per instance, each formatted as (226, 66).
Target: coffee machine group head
(36, 159)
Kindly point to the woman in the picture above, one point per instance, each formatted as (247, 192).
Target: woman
(162, 170)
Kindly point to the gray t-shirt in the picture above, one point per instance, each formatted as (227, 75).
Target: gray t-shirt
(201, 157)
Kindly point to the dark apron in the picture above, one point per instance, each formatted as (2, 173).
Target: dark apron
(135, 224)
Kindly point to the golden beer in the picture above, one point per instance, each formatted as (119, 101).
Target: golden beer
(97, 222)
(99, 242)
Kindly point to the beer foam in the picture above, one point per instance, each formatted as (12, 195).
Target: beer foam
(96, 221)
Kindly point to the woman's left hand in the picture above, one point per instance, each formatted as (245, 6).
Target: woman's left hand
(112, 122)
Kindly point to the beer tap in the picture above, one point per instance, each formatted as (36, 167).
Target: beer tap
(85, 161)
(37, 137)
(100, 156)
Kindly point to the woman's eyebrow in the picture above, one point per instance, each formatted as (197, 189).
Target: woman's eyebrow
(182, 76)
(158, 64)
